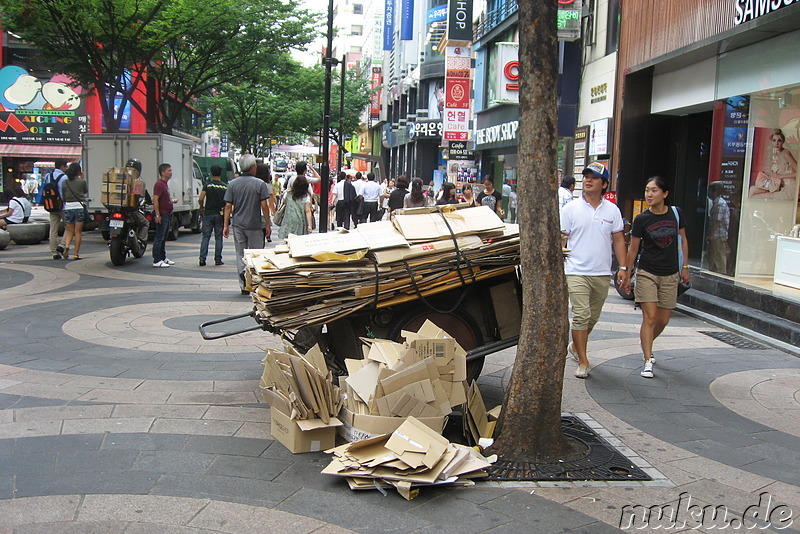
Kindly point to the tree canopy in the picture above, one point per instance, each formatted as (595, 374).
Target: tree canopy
(181, 48)
(285, 102)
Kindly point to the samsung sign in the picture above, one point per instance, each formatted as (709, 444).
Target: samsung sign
(747, 10)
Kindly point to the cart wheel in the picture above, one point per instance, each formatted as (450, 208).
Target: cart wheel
(461, 327)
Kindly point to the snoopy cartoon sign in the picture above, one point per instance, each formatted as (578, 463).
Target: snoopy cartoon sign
(36, 111)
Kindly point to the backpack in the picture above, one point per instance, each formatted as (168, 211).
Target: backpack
(51, 197)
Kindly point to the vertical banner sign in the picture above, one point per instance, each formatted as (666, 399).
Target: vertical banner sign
(375, 97)
(407, 20)
(459, 20)
(457, 93)
(388, 25)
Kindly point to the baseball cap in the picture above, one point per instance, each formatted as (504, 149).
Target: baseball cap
(598, 169)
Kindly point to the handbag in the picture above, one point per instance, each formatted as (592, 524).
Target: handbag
(683, 287)
(278, 217)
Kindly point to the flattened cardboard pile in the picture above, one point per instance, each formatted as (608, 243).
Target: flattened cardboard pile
(424, 378)
(304, 399)
(410, 457)
(317, 278)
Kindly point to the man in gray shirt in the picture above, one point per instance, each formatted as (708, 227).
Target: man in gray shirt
(246, 200)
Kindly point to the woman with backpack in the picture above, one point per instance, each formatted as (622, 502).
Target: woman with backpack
(657, 231)
(74, 212)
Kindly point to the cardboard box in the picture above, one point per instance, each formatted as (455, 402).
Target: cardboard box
(113, 199)
(109, 187)
(356, 427)
(309, 435)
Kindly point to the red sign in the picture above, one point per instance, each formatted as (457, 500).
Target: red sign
(611, 197)
(511, 72)
(375, 97)
(457, 93)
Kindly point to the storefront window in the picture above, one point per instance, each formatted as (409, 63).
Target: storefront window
(753, 185)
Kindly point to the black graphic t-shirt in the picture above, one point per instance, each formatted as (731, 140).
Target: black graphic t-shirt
(659, 235)
(492, 200)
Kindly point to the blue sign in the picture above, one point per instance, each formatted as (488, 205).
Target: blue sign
(388, 26)
(407, 20)
(436, 14)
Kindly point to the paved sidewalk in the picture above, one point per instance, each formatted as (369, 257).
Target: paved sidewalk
(115, 416)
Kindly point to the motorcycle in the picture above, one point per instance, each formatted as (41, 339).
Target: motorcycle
(123, 236)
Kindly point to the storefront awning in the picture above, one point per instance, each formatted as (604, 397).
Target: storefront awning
(20, 150)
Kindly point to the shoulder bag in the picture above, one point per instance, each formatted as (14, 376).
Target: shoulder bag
(683, 287)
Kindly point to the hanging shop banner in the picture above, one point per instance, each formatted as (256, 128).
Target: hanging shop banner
(375, 97)
(407, 20)
(459, 20)
(388, 25)
(40, 110)
(457, 93)
(505, 74)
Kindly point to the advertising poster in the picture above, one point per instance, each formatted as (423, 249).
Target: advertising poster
(773, 172)
(435, 99)
(375, 97)
(40, 110)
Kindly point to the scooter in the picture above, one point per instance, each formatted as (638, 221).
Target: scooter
(123, 236)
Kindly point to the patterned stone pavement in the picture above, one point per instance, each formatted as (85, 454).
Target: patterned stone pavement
(115, 416)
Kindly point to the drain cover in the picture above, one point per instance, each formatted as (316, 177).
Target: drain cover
(602, 462)
(735, 340)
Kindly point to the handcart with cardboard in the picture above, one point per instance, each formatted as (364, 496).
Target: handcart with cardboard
(457, 269)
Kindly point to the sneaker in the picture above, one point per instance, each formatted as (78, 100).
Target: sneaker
(56, 256)
(582, 371)
(647, 372)
(160, 264)
(202, 263)
(169, 261)
(572, 352)
(64, 252)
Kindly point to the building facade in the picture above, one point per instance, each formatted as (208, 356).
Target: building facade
(708, 96)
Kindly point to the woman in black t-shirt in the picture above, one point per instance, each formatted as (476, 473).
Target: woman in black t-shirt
(397, 196)
(657, 232)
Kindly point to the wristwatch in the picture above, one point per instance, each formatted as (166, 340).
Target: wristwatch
(623, 268)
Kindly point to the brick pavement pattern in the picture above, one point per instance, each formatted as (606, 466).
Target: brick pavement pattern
(115, 416)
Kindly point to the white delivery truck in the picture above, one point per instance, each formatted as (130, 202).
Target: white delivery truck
(101, 151)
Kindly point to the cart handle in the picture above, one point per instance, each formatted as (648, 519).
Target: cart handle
(209, 336)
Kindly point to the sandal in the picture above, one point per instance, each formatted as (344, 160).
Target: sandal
(76, 257)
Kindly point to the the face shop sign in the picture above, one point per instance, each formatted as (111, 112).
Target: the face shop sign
(500, 133)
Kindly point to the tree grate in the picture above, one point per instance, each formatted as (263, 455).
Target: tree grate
(601, 462)
(735, 340)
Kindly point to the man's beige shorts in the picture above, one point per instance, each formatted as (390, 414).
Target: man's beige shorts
(662, 290)
(587, 295)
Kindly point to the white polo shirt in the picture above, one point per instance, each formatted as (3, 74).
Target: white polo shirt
(589, 232)
(372, 191)
(359, 185)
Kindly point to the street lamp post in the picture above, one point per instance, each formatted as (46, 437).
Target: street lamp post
(326, 126)
(340, 159)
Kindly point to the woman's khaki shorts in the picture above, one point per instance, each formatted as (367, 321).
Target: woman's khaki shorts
(662, 290)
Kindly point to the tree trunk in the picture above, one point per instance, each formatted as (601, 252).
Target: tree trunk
(530, 426)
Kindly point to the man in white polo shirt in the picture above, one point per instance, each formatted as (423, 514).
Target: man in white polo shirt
(590, 225)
